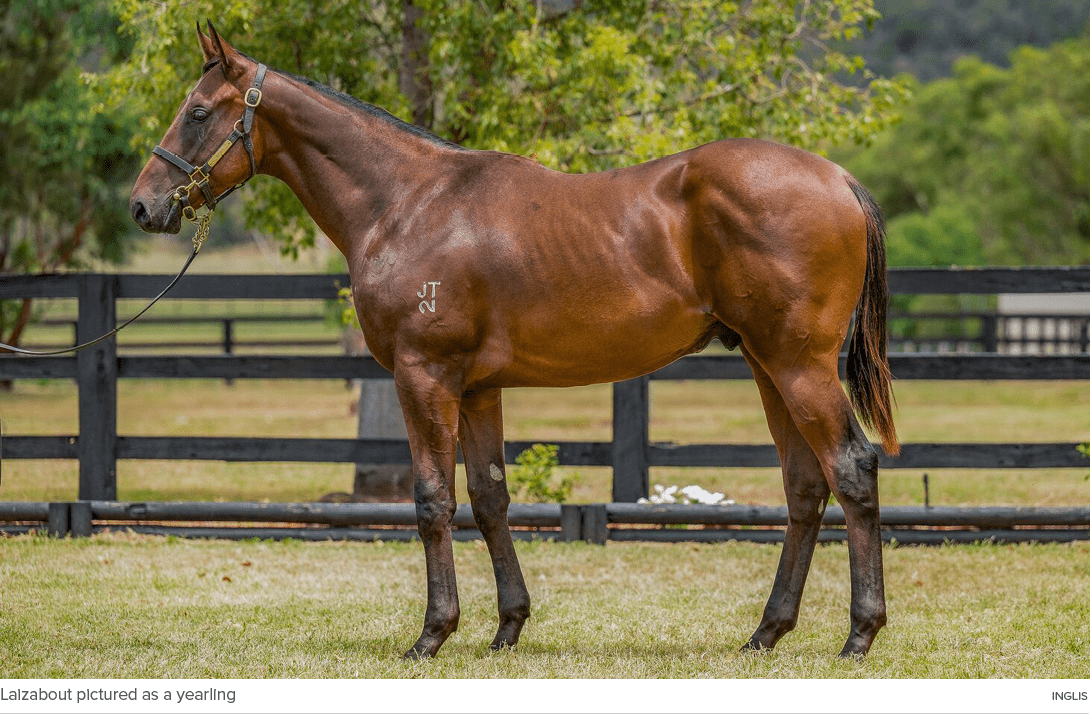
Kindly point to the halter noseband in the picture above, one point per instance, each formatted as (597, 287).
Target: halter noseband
(200, 176)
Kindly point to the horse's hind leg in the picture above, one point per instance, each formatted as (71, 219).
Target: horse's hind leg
(481, 430)
(812, 393)
(807, 495)
(431, 417)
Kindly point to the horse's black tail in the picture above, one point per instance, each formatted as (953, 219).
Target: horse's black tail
(869, 376)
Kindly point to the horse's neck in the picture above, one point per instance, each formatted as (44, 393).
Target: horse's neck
(346, 166)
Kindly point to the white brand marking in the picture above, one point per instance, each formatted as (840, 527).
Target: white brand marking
(426, 305)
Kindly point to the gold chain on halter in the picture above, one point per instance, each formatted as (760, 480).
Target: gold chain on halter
(203, 222)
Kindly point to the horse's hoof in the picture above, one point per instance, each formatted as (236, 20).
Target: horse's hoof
(855, 648)
(507, 636)
(757, 643)
(418, 653)
(852, 654)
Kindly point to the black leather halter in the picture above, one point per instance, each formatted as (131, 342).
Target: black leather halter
(199, 176)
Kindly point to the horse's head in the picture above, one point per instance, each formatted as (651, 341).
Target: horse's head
(215, 117)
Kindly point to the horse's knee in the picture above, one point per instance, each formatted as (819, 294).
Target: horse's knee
(434, 509)
(489, 491)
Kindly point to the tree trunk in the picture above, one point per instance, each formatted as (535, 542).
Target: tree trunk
(380, 417)
(413, 75)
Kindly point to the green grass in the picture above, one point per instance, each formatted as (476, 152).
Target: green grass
(141, 607)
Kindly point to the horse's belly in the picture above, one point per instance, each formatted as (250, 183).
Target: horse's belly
(556, 355)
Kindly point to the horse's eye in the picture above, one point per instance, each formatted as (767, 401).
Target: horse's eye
(199, 114)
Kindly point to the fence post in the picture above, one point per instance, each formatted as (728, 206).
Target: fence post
(595, 524)
(228, 336)
(571, 523)
(631, 405)
(79, 519)
(989, 333)
(57, 524)
(96, 372)
(228, 343)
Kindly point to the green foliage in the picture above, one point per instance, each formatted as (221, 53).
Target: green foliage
(534, 478)
(33, 47)
(947, 235)
(1085, 450)
(598, 86)
(991, 166)
(66, 159)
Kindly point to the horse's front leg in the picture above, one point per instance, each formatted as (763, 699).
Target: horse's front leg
(431, 409)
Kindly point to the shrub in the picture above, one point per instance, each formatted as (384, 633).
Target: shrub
(535, 477)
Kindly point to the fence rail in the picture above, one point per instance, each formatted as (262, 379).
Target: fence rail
(597, 523)
(97, 447)
(994, 332)
(229, 340)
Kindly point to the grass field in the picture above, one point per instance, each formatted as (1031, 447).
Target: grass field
(128, 606)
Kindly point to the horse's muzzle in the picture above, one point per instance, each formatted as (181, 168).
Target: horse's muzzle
(165, 220)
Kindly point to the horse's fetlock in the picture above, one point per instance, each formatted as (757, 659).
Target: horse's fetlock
(869, 617)
(443, 621)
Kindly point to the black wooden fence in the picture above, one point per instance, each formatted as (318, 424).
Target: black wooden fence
(229, 341)
(630, 453)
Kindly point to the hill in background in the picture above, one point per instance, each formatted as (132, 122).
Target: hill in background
(923, 38)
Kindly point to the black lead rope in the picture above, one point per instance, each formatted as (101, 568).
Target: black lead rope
(202, 232)
(114, 332)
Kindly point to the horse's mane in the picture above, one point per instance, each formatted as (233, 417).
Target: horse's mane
(360, 106)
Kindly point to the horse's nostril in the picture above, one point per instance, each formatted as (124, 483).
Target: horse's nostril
(140, 213)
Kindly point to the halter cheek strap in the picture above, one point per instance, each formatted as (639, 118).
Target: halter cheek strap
(199, 176)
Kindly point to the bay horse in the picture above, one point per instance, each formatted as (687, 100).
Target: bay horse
(475, 271)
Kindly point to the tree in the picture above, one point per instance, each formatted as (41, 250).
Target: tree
(66, 161)
(990, 166)
(579, 86)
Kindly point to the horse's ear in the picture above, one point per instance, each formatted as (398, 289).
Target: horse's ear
(207, 47)
(230, 58)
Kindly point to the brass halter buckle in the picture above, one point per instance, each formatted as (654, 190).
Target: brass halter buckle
(200, 176)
